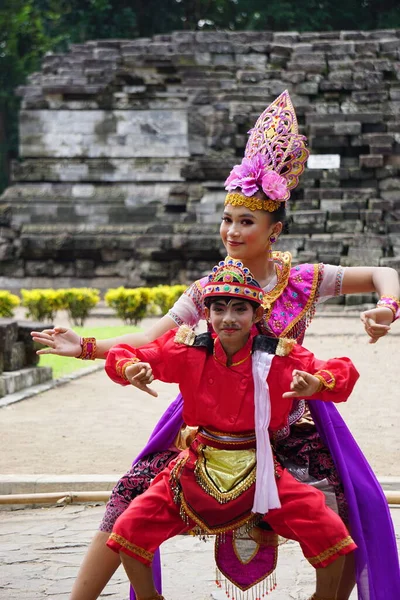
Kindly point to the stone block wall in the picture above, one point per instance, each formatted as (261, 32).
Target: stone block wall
(125, 145)
(18, 358)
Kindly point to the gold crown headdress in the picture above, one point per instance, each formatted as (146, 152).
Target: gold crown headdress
(230, 278)
(274, 158)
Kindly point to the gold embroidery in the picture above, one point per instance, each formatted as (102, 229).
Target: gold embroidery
(308, 304)
(262, 578)
(235, 364)
(314, 560)
(285, 346)
(284, 263)
(252, 203)
(174, 478)
(132, 547)
(236, 551)
(118, 366)
(185, 335)
(202, 528)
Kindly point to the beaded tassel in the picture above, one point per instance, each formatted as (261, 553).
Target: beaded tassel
(256, 592)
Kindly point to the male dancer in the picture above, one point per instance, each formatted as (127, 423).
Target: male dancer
(235, 387)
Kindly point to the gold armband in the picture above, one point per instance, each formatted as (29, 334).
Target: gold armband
(123, 364)
(326, 379)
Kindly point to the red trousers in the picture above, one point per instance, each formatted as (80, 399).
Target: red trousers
(154, 517)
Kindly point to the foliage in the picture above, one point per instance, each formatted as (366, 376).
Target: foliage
(78, 302)
(24, 39)
(163, 297)
(8, 302)
(131, 305)
(43, 304)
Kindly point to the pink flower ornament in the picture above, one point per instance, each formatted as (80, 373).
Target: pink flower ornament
(274, 185)
(252, 175)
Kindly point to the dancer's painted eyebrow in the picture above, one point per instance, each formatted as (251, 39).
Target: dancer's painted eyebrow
(242, 216)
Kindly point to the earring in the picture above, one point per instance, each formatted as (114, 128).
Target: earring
(272, 240)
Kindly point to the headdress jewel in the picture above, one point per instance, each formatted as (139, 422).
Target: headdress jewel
(231, 278)
(274, 159)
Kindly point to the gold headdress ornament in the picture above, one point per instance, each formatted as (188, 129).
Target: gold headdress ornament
(274, 159)
(230, 278)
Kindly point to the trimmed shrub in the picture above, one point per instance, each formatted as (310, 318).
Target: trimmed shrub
(163, 297)
(78, 302)
(8, 302)
(41, 305)
(131, 305)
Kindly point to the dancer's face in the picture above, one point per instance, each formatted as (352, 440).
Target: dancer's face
(245, 233)
(232, 320)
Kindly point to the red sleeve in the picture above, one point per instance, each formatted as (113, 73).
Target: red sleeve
(165, 356)
(340, 375)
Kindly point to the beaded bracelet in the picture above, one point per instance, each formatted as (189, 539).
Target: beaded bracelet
(326, 380)
(89, 348)
(390, 302)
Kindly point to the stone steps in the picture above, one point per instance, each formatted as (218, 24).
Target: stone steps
(16, 381)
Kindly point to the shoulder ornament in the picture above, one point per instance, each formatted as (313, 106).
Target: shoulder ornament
(285, 346)
(185, 335)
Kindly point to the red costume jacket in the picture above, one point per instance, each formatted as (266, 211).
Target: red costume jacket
(221, 398)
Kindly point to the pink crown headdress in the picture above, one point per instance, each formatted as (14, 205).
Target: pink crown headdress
(231, 278)
(274, 158)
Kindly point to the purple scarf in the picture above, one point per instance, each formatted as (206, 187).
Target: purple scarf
(377, 565)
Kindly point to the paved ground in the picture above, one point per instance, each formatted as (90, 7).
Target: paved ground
(41, 549)
(92, 426)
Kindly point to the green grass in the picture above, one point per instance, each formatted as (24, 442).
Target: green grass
(63, 365)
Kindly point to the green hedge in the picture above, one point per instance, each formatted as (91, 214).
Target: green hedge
(8, 302)
(130, 305)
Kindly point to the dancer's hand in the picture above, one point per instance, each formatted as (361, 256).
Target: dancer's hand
(377, 322)
(61, 341)
(303, 384)
(140, 375)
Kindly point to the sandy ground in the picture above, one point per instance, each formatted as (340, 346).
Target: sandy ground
(92, 426)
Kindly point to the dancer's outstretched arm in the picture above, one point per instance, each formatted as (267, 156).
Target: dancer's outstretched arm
(66, 342)
(382, 280)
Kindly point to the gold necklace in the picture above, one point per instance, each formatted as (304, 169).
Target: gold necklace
(235, 364)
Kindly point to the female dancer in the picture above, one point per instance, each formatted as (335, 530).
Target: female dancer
(252, 222)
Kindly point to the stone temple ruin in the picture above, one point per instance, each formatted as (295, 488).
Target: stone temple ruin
(125, 145)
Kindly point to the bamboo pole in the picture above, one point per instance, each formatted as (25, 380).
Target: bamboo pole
(55, 498)
(392, 497)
